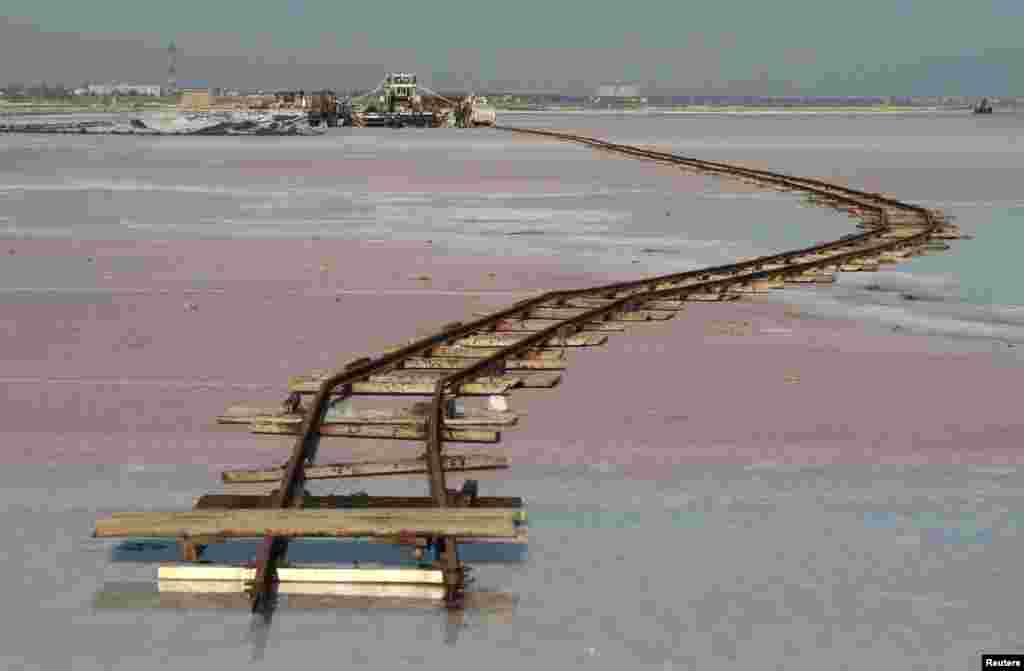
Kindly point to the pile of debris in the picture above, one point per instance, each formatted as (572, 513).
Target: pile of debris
(243, 124)
(222, 123)
(66, 127)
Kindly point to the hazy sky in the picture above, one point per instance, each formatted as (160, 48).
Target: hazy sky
(768, 47)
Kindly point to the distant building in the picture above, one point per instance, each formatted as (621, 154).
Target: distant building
(101, 89)
(139, 89)
(124, 89)
(195, 98)
(198, 85)
(172, 67)
(618, 90)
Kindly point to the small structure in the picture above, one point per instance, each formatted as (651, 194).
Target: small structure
(400, 91)
(618, 95)
(113, 88)
(172, 67)
(195, 100)
(399, 100)
(618, 90)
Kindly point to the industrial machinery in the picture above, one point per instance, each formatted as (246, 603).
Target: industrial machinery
(399, 100)
(322, 108)
(398, 104)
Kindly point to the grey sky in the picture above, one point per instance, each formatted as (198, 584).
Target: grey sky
(824, 47)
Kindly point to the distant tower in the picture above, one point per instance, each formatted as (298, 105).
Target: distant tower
(172, 67)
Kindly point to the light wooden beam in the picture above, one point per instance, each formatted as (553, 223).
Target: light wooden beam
(340, 430)
(357, 522)
(472, 417)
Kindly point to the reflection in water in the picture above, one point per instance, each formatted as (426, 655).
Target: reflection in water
(259, 629)
(454, 621)
(311, 550)
(496, 607)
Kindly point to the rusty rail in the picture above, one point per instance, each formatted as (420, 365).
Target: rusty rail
(622, 296)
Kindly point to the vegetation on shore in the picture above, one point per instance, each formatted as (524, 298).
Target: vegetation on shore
(68, 104)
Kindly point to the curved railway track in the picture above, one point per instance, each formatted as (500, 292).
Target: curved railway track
(479, 356)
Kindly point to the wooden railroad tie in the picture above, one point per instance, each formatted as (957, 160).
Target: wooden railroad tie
(450, 463)
(471, 417)
(317, 523)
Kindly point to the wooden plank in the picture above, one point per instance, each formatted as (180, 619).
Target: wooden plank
(326, 523)
(398, 591)
(398, 432)
(523, 379)
(419, 377)
(561, 314)
(712, 298)
(454, 363)
(645, 316)
(204, 572)
(243, 414)
(545, 353)
(251, 488)
(309, 385)
(539, 380)
(361, 575)
(430, 593)
(591, 303)
(534, 325)
(893, 256)
(354, 501)
(452, 463)
(521, 538)
(824, 278)
(899, 233)
(495, 340)
(203, 586)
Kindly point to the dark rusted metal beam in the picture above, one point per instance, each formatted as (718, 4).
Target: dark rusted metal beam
(435, 467)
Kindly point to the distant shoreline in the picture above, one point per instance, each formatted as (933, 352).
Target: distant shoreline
(7, 109)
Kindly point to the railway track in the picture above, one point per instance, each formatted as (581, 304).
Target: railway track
(522, 345)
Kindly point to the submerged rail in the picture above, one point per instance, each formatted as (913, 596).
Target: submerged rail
(490, 351)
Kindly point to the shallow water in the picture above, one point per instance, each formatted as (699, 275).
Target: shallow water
(712, 568)
(707, 567)
(487, 191)
(966, 165)
(481, 190)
